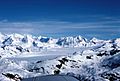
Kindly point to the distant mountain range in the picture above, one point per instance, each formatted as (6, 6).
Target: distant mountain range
(14, 43)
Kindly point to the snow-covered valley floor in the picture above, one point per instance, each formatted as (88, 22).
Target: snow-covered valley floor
(24, 56)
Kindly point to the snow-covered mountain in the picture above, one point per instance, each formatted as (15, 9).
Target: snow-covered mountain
(17, 43)
(87, 60)
(27, 41)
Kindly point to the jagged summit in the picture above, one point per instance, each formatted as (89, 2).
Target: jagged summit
(29, 43)
(19, 39)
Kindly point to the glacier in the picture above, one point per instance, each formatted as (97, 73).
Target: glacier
(31, 56)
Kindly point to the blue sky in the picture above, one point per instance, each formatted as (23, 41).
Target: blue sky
(89, 18)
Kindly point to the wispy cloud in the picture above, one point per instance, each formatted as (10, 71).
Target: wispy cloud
(56, 27)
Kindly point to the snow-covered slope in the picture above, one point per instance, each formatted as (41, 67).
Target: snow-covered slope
(29, 56)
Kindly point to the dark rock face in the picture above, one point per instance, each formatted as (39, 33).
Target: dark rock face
(19, 48)
(3, 47)
(7, 41)
(9, 75)
(89, 57)
(65, 60)
(34, 44)
(60, 41)
(59, 66)
(101, 54)
(61, 61)
(114, 51)
(38, 61)
(111, 76)
(25, 40)
(44, 40)
(56, 72)
(15, 77)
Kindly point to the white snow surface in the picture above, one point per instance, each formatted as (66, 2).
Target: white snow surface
(30, 56)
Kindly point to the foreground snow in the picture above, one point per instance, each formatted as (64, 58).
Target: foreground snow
(30, 56)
